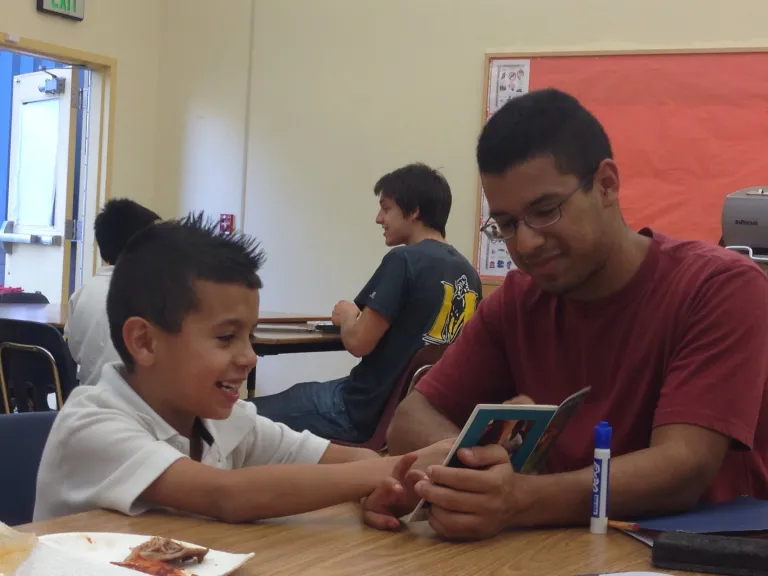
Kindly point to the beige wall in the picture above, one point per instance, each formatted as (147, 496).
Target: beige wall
(128, 31)
(344, 90)
(340, 91)
(202, 95)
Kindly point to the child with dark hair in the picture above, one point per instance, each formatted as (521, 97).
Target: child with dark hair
(165, 427)
(87, 329)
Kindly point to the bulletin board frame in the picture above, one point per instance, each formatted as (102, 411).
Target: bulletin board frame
(490, 282)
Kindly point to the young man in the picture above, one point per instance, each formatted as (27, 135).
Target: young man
(165, 429)
(87, 328)
(670, 335)
(423, 292)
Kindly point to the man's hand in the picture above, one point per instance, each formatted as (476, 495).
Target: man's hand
(394, 497)
(344, 312)
(473, 503)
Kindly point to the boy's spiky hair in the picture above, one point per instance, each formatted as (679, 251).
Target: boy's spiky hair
(155, 275)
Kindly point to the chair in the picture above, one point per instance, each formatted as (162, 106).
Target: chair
(22, 439)
(420, 363)
(34, 361)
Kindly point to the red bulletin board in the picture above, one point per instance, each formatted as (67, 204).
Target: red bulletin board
(686, 128)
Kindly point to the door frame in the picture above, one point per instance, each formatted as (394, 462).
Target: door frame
(99, 161)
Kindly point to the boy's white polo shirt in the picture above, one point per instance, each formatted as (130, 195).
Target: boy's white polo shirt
(107, 446)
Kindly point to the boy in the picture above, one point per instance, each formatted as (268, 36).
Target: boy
(165, 428)
(424, 292)
(87, 329)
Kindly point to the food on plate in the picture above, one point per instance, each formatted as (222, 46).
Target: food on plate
(153, 567)
(167, 550)
(15, 547)
(158, 555)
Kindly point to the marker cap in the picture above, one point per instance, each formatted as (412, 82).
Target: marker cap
(603, 436)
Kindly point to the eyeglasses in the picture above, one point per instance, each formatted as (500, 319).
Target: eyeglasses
(539, 217)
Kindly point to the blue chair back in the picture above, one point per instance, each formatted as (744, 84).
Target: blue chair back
(22, 439)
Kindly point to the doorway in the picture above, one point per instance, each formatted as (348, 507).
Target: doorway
(55, 110)
(39, 98)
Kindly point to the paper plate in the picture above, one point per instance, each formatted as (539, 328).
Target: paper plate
(106, 547)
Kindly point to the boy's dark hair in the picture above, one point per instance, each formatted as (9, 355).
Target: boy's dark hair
(544, 123)
(417, 186)
(118, 222)
(155, 277)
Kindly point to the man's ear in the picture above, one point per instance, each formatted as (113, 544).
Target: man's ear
(413, 216)
(607, 182)
(140, 339)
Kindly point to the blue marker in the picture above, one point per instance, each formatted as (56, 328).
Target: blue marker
(599, 522)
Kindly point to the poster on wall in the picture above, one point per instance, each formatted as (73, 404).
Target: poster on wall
(507, 79)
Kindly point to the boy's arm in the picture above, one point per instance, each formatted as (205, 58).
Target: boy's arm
(336, 454)
(259, 492)
(381, 301)
(360, 331)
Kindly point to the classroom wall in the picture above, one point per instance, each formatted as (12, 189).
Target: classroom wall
(340, 91)
(202, 95)
(345, 90)
(128, 31)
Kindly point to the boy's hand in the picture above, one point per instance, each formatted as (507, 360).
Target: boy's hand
(394, 497)
(434, 454)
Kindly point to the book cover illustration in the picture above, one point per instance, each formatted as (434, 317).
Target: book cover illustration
(526, 431)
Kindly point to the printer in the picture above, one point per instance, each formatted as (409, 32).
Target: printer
(745, 222)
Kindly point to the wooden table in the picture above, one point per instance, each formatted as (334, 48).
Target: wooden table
(274, 341)
(56, 315)
(332, 541)
(289, 318)
(53, 314)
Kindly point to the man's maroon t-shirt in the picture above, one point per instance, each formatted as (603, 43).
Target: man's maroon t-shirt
(684, 342)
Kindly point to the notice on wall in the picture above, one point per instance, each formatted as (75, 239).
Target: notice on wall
(507, 79)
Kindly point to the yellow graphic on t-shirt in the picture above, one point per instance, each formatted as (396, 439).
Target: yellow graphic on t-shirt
(459, 304)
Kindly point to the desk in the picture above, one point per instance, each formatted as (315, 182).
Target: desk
(56, 315)
(271, 342)
(53, 314)
(332, 541)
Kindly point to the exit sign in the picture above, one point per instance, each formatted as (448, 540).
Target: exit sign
(74, 9)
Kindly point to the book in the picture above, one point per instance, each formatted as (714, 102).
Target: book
(526, 431)
(744, 516)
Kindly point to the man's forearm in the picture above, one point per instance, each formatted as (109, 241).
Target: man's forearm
(643, 483)
(416, 425)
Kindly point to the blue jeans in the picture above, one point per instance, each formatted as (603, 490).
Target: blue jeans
(314, 406)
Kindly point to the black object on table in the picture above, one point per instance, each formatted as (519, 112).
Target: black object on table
(711, 554)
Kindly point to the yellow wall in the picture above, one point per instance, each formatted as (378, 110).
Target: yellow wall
(128, 31)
